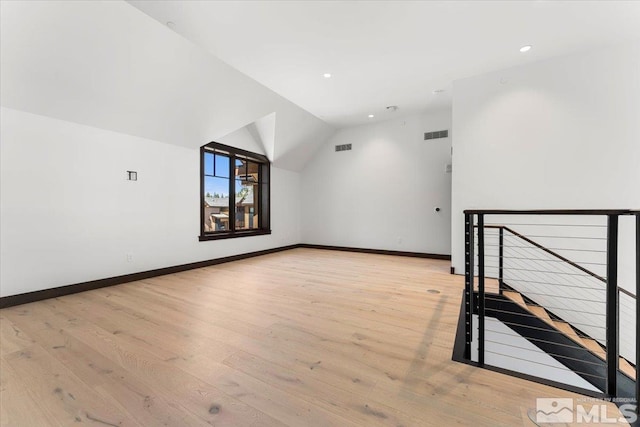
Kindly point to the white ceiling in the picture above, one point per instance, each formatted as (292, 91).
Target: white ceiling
(384, 53)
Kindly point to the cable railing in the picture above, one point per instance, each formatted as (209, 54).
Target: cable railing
(542, 296)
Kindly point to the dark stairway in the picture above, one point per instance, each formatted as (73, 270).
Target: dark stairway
(581, 354)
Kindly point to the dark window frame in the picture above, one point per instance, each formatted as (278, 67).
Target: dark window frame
(264, 193)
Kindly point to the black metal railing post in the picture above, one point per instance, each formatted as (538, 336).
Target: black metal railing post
(638, 313)
(468, 283)
(612, 306)
(481, 301)
(500, 260)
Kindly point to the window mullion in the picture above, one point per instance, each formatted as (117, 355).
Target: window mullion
(202, 217)
(232, 193)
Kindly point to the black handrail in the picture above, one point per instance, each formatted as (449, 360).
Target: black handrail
(626, 292)
(552, 212)
(557, 255)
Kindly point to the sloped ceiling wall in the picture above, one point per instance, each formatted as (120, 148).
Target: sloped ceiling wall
(108, 65)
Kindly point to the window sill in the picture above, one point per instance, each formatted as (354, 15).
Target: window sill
(232, 235)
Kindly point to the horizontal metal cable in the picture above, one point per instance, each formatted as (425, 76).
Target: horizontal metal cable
(515, 266)
(577, 347)
(492, 273)
(549, 271)
(545, 260)
(579, 278)
(532, 327)
(549, 307)
(525, 274)
(554, 249)
(569, 265)
(571, 298)
(572, 279)
(556, 285)
(537, 350)
(590, 325)
(494, 310)
(545, 364)
(493, 233)
(559, 237)
(546, 225)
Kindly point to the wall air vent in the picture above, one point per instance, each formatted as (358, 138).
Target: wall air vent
(343, 147)
(437, 134)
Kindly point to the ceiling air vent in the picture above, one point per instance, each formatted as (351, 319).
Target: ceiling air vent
(343, 147)
(437, 134)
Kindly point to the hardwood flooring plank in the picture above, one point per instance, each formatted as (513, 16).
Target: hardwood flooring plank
(284, 406)
(60, 394)
(17, 406)
(304, 337)
(12, 338)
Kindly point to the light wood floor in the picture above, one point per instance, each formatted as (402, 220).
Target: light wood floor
(304, 337)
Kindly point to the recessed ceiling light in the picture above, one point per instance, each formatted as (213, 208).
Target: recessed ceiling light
(370, 116)
(327, 75)
(171, 24)
(526, 48)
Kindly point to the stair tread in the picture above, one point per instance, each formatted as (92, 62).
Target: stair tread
(596, 348)
(540, 312)
(491, 285)
(566, 329)
(626, 367)
(515, 297)
(623, 364)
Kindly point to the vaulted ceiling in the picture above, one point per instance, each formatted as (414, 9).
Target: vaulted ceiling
(223, 65)
(382, 53)
(106, 64)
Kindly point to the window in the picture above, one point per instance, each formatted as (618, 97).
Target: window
(234, 189)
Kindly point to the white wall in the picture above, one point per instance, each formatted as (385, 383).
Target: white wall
(381, 194)
(92, 89)
(558, 134)
(68, 215)
(243, 139)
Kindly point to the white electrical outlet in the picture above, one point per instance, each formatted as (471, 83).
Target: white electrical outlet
(129, 257)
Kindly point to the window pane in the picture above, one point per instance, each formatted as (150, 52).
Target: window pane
(254, 208)
(252, 172)
(241, 169)
(246, 206)
(222, 166)
(208, 163)
(216, 204)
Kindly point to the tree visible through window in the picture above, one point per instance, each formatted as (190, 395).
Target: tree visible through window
(234, 190)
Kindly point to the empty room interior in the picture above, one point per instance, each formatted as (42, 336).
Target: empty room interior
(319, 213)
